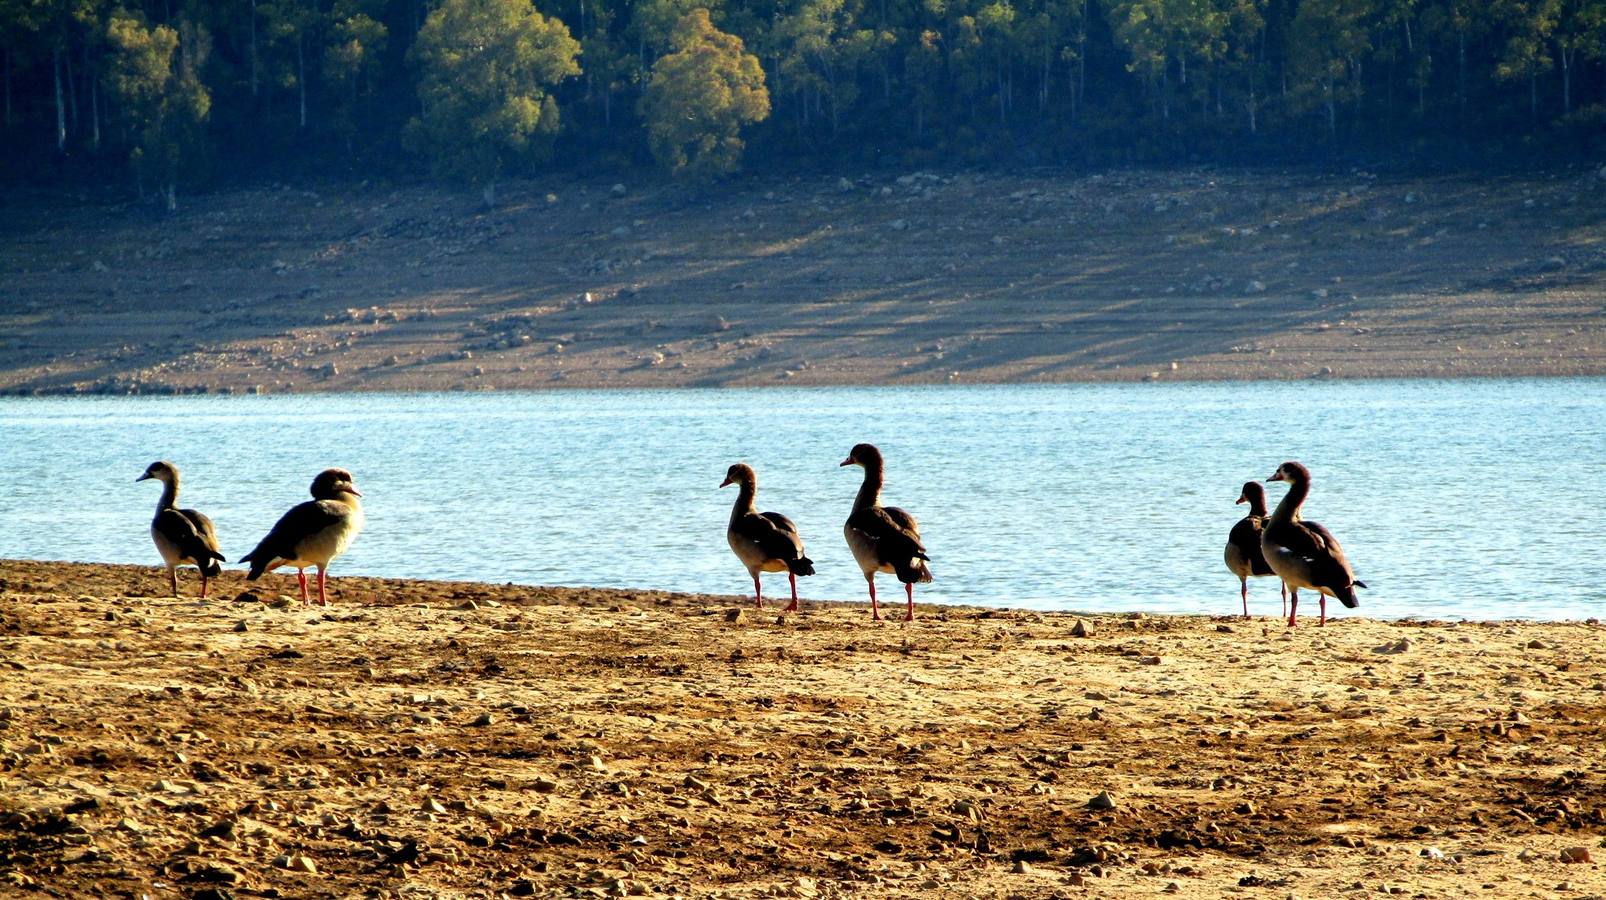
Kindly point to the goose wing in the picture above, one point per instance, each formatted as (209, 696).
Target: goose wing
(1245, 539)
(1315, 543)
(301, 522)
(894, 531)
(772, 533)
(182, 532)
(203, 527)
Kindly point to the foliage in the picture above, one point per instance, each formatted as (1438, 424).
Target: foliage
(486, 68)
(700, 96)
(154, 75)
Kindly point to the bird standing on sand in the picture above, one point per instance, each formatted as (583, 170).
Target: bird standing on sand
(312, 533)
(883, 539)
(182, 536)
(1243, 554)
(764, 542)
(1304, 554)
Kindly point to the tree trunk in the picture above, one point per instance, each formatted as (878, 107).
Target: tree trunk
(488, 194)
(61, 111)
(8, 87)
(1566, 79)
(301, 77)
(171, 197)
(1533, 95)
(94, 113)
(72, 90)
(1461, 71)
(1252, 124)
(254, 65)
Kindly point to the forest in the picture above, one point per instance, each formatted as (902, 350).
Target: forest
(163, 97)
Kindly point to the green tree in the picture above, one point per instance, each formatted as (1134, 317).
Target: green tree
(1329, 39)
(486, 68)
(700, 96)
(351, 61)
(1529, 25)
(153, 75)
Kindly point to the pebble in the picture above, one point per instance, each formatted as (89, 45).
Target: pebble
(484, 719)
(1080, 629)
(1576, 855)
(1102, 800)
(431, 805)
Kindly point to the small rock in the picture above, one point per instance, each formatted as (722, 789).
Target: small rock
(240, 627)
(1080, 629)
(1022, 867)
(1433, 853)
(1102, 800)
(431, 805)
(734, 615)
(1255, 287)
(484, 719)
(1576, 855)
(544, 785)
(618, 190)
(595, 764)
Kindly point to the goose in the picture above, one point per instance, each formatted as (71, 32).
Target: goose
(764, 542)
(1243, 554)
(312, 533)
(182, 536)
(1304, 554)
(883, 538)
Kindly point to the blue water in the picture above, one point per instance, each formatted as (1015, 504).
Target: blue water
(1476, 498)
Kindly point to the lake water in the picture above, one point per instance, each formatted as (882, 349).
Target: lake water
(1475, 498)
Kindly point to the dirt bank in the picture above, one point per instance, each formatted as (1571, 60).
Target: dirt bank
(469, 740)
(903, 277)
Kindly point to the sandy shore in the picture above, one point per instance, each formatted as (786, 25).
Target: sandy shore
(427, 739)
(885, 278)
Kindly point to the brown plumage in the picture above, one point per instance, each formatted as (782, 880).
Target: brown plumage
(1243, 554)
(1303, 553)
(883, 538)
(182, 536)
(764, 542)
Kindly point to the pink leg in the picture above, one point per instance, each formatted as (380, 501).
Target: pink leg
(875, 611)
(757, 596)
(1293, 607)
(1322, 599)
(172, 578)
(1283, 589)
(301, 578)
(792, 607)
(1243, 590)
(321, 600)
(909, 589)
(203, 584)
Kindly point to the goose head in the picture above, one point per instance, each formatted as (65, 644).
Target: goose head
(739, 473)
(161, 470)
(331, 483)
(1252, 491)
(865, 455)
(1292, 472)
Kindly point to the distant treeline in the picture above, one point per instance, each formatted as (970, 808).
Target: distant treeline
(187, 91)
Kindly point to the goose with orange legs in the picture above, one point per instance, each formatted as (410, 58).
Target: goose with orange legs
(1243, 555)
(883, 538)
(182, 536)
(312, 533)
(1303, 553)
(764, 542)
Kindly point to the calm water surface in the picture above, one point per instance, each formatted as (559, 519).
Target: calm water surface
(1458, 498)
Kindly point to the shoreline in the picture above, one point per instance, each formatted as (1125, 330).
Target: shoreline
(153, 578)
(468, 739)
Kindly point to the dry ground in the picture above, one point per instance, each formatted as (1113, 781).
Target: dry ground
(911, 277)
(425, 739)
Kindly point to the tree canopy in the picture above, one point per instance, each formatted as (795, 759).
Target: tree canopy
(700, 96)
(472, 89)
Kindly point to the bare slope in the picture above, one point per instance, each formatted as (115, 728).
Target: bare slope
(898, 278)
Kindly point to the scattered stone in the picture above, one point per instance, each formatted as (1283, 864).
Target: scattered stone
(431, 805)
(484, 719)
(734, 615)
(1080, 629)
(1576, 855)
(240, 627)
(618, 190)
(1022, 867)
(1255, 287)
(1102, 800)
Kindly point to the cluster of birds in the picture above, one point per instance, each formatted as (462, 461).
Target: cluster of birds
(309, 534)
(1300, 553)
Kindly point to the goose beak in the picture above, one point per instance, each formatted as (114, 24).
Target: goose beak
(353, 488)
(1239, 500)
(1276, 476)
(145, 477)
(726, 482)
(845, 462)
